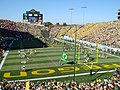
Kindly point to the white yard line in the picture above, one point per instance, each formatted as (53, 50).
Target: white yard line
(50, 59)
(63, 76)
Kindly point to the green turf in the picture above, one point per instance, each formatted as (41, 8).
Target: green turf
(48, 58)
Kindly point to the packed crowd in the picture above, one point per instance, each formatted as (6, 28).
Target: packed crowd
(7, 24)
(105, 33)
(112, 83)
(18, 28)
(14, 34)
(54, 31)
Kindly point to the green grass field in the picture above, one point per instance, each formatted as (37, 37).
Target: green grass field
(45, 63)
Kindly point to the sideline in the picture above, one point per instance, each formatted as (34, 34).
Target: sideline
(2, 62)
(104, 52)
(63, 76)
(5, 55)
(86, 47)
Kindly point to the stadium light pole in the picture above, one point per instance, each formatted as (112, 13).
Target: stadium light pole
(83, 13)
(71, 9)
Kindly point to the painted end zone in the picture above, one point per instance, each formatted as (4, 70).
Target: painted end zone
(59, 72)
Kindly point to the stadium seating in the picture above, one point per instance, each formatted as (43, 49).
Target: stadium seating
(105, 33)
(100, 84)
(89, 32)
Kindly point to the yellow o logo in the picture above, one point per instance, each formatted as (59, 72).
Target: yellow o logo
(43, 72)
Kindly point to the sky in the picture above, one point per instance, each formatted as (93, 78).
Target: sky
(59, 10)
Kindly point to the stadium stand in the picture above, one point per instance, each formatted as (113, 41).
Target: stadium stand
(105, 33)
(54, 31)
(21, 27)
(64, 30)
(89, 32)
(20, 31)
(105, 84)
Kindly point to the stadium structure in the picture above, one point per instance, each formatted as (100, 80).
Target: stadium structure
(33, 16)
(76, 57)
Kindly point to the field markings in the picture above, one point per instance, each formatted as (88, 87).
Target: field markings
(88, 47)
(50, 59)
(2, 62)
(5, 54)
(63, 76)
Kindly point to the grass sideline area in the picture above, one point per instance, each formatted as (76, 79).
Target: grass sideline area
(45, 63)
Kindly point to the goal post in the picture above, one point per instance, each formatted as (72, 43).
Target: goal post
(87, 55)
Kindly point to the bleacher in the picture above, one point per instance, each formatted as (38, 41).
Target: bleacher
(106, 33)
(99, 84)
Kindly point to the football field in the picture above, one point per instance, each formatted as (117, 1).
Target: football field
(44, 64)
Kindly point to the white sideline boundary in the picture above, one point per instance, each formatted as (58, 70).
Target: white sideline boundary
(5, 55)
(2, 62)
(63, 76)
